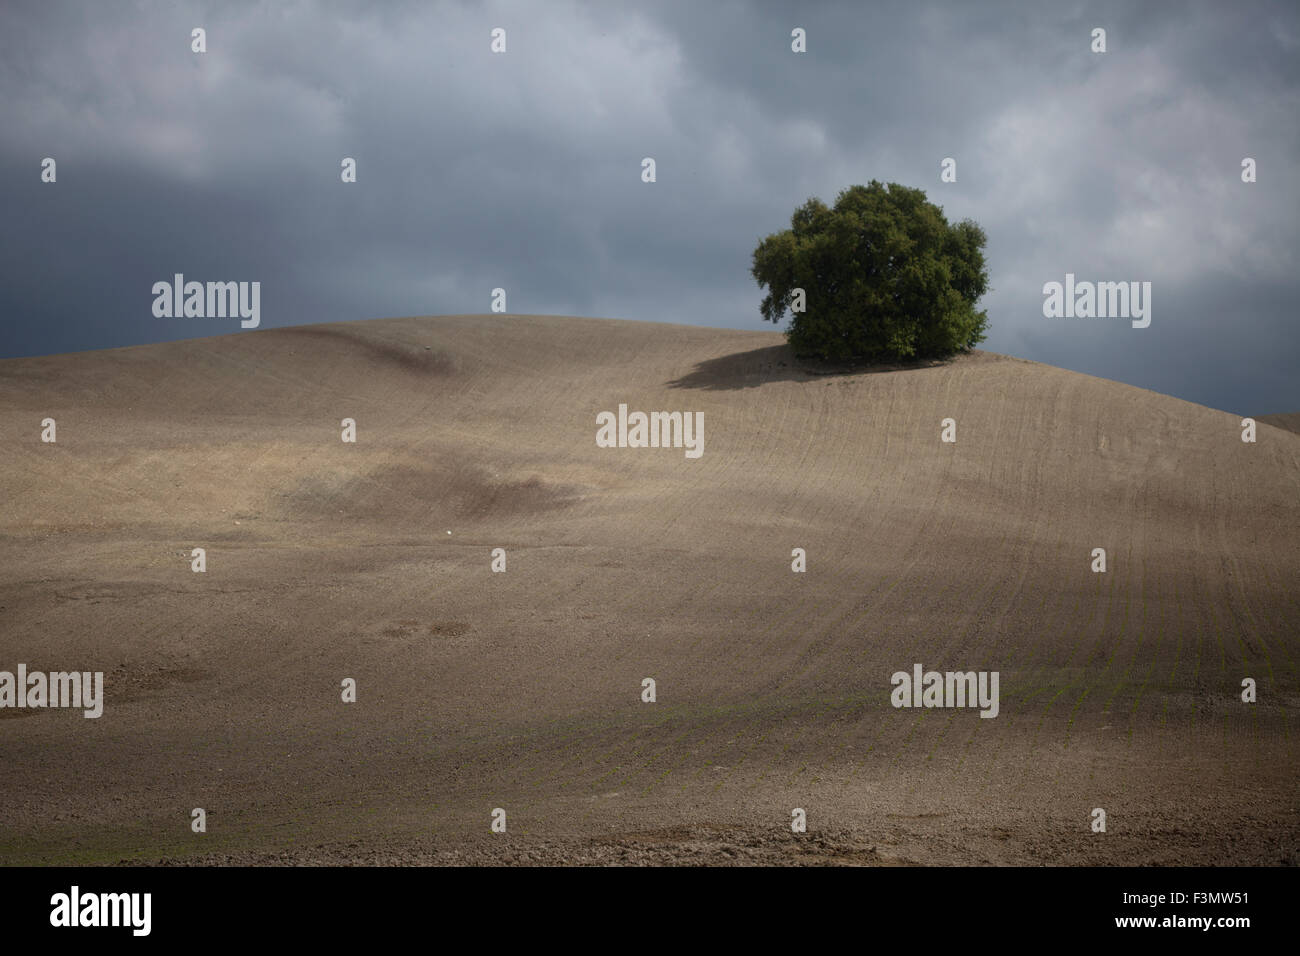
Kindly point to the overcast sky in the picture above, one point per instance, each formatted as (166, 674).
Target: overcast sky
(523, 170)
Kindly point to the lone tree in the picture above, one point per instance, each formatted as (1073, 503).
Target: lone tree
(883, 277)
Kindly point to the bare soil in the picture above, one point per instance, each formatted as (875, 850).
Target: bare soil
(522, 690)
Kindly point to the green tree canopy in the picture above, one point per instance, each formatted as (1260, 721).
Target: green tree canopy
(884, 276)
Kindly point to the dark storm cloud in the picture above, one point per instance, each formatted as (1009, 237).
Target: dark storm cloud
(523, 170)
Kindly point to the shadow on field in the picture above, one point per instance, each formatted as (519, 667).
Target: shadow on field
(776, 363)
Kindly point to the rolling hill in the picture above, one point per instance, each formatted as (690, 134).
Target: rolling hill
(522, 690)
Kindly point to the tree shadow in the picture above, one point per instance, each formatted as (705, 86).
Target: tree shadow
(777, 363)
